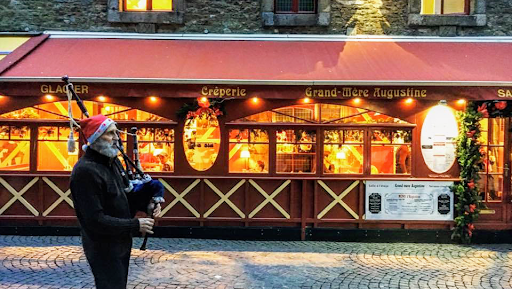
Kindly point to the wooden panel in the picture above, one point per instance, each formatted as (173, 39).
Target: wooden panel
(212, 199)
(351, 199)
(53, 203)
(269, 210)
(27, 201)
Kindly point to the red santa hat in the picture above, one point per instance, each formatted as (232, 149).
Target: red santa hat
(93, 127)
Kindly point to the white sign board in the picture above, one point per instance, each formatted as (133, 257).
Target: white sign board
(409, 200)
(438, 136)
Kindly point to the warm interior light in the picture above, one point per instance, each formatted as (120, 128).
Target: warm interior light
(461, 101)
(107, 108)
(255, 100)
(306, 100)
(409, 100)
(341, 155)
(102, 98)
(204, 99)
(357, 100)
(153, 99)
(49, 97)
(245, 154)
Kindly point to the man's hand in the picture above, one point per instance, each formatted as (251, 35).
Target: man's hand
(146, 225)
(157, 210)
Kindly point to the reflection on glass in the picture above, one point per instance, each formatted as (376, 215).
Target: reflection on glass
(136, 5)
(52, 149)
(296, 151)
(248, 151)
(343, 151)
(162, 5)
(484, 129)
(493, 153)
(297, 113)
(494, 187)
(14, 148)
(201, 140)
(156, 149)
(498, 131)
(320, 113)
(59, 110)
(391, 151)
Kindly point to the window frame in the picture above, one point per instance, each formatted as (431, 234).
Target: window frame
(476, 16)
(485, 173)
(295, 8)
(249, 142)
(149, 7)
(35, 124)
(466, 8)
(272, 128)
(118, 14)
(321, 16)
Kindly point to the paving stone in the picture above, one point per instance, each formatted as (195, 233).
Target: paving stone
(59, 263)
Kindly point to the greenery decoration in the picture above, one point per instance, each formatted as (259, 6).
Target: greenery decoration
(468, 202)
(200, 107)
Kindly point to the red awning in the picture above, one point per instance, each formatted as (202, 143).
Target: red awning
(421, 61)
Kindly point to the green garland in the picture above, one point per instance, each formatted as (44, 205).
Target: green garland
(470, 157)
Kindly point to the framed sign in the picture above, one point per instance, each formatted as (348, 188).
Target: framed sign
(438, 136)
(409, 200)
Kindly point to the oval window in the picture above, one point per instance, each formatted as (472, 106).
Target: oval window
(201, 141)
(438, 139)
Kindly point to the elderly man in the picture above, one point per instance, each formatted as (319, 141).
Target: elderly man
(105, 212)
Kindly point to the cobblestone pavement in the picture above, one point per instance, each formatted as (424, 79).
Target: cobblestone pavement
(59, 262)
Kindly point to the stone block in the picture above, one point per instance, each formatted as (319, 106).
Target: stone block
(324, 19)
(268, 18)
(448, 31)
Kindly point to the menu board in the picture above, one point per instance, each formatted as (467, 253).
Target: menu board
(409, 200)
(438, 136)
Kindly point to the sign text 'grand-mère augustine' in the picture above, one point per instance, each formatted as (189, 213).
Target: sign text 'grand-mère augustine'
(374, 92)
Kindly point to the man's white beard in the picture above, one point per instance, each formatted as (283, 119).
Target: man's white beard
(105, 148)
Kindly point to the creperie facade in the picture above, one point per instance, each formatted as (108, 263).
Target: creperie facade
(290, 145)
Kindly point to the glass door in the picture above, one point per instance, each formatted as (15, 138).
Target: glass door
(495, 177)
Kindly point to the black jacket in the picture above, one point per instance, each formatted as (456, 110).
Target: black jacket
(101, 205)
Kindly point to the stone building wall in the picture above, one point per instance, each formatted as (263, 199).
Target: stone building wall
(363, 17)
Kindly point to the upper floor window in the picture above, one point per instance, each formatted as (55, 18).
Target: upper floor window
(148, 13)
(147, 5)
(445, 7)
(296, 12)
(447, 14)
(295, 6)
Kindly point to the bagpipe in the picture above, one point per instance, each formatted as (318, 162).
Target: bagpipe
(134, 179)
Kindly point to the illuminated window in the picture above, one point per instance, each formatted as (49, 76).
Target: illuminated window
(343, 151)
(156, 149)
(320, 113)
(147, 5)
(492, 141)
(52, 149)
(59, 111)
(295, 6)
(444, 7)
(248, 151)
(14, 148)
(296, 151)
(391, 151)
(201, 141)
